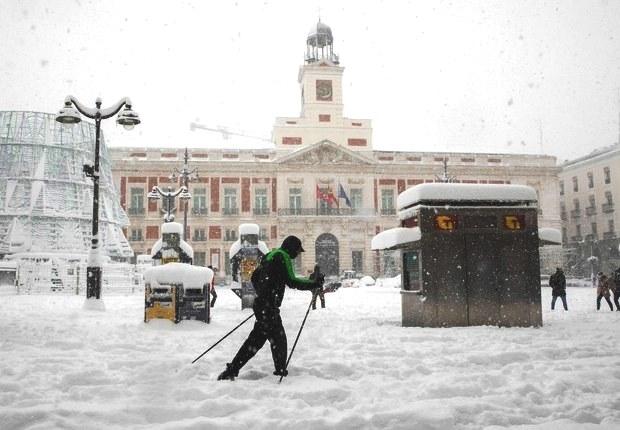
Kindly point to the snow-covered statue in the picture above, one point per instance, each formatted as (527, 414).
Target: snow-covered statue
(174, 289)
(171, 248)
(245, 254)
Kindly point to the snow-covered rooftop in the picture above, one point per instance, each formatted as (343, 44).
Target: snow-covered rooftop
(549, 236)
(446, 192)
(395, 238)
(172, 227)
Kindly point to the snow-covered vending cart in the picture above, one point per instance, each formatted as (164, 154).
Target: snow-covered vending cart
(174, 289)
(177, 291)
(245, 254)
(469, 255)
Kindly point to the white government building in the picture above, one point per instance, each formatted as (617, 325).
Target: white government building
(321, 181)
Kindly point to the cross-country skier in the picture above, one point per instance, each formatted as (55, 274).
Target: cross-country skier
(274, 272)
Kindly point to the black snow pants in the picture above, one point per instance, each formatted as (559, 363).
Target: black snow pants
(318, 292)
(213, 297)
(598, 302)
(268, 326)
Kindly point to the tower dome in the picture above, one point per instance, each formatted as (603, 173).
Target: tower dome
(320, 44)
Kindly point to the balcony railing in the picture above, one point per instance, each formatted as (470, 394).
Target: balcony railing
(608, 207)
(202, 238)
(230, 211)
(230, 238)
(591, 210)
(261, 211)
(609, 235)
(575, 213)
(388, 211)
(591, 237)
(135, 211)
(200, 211)
(327, 212)
(136, 238)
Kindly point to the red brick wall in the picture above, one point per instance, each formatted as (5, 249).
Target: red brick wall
(356, 142)
(245, 195)
(376, 192)
(215, 194)
(401, 185)
(291, 140)
(152, 232)
(152, 204)
(274, 231)
(215, 232)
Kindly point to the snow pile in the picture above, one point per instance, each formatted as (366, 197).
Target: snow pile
(549, 236)
(172, 227)
(354, 368)
(178, 273)
(395, 237)
(464, 192)
(249, 229)
(394, 282)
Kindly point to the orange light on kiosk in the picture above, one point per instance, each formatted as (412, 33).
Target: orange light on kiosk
(445, 222)
(514, 222)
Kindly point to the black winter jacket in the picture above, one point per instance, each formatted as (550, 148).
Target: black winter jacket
(279, 272)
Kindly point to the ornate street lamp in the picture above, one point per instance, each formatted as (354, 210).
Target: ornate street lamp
(157, 193)
(68, 116)
(186, 176)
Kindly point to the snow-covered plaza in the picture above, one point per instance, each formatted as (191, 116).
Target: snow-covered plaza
(355, 367)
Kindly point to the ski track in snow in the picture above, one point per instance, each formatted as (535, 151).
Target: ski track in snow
(354, 367)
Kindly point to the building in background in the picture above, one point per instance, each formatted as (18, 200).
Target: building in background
(46, 201)
(589, 186)
(322, 181)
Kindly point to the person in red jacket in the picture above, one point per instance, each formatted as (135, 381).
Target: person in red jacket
(274, 272)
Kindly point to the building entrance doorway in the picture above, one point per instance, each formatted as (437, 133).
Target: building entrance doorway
(327, 256)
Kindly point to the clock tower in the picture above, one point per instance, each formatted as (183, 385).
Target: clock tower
(320, 78)
(321, 118)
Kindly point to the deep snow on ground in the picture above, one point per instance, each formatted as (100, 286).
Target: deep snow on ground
(354, 367)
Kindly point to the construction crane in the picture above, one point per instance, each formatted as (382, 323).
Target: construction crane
(226, 132)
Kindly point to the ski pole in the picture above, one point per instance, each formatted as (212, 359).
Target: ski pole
(296, 339)
(227, 334)
(315, 274)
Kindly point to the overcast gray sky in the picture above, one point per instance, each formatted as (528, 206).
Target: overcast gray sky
(437, 75)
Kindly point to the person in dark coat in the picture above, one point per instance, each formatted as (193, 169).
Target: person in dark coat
(557, 282)
(268, 326)
(212, 287)
(317, 292)
(614, 284)
(603, 291)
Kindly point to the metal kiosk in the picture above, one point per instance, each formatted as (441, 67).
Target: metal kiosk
(245, 254)
(469, 255)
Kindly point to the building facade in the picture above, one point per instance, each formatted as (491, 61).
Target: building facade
(589, 187)
(321, 181)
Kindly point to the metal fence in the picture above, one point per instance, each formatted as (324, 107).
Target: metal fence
(69, 278)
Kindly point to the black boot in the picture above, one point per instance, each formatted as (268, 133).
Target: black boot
(282, 372)
(229, 373)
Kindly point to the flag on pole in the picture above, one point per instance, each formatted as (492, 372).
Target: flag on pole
(331, 198)
(343, 195)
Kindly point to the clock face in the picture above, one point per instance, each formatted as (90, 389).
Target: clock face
(324, 90)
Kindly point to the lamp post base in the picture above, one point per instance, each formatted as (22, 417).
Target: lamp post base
(93, 282)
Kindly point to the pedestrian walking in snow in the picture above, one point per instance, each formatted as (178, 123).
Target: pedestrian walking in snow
(317, 292)
(602, 291)
(212, 287)
(557, 282)
(274, 272)
(614, 286)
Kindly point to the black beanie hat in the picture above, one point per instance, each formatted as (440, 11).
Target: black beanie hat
(292, 244)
